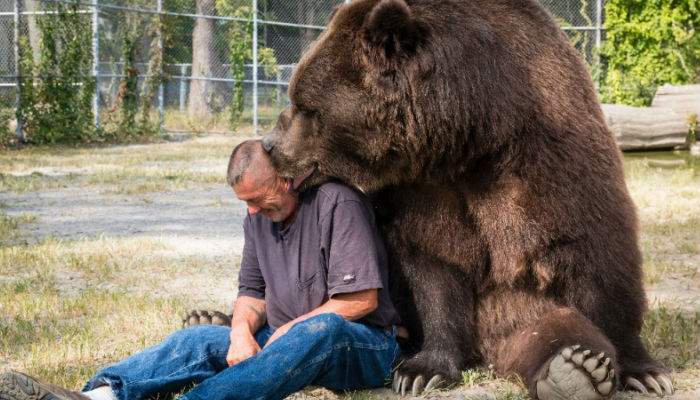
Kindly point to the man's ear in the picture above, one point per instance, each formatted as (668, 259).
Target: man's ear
(390, 33)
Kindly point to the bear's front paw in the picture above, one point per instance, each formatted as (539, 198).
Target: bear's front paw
(425, 371)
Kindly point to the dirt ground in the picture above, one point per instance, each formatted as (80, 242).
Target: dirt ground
(194, 227)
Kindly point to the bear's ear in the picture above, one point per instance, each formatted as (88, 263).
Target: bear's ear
(390, 33)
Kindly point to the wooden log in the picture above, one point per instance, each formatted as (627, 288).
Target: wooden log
(684, 100)
(645, 128)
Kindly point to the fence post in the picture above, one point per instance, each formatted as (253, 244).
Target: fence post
(255, 67)
(96, 64)
(15, 43)
(161, 106)
(597, 76)
(183, 87)
(599, 24)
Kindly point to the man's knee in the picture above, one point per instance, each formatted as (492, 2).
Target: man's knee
(323, 325)
(202, 337)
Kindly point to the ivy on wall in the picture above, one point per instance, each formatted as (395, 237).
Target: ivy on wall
(649, 43)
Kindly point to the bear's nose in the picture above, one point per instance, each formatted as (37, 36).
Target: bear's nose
(268, 142)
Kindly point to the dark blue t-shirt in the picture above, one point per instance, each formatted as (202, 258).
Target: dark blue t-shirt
(331, 247)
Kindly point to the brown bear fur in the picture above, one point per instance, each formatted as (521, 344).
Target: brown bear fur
(475, 128)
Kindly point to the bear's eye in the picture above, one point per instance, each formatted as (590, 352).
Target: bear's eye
(304, 111)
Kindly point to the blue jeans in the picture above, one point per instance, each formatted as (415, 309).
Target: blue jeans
(324, 350)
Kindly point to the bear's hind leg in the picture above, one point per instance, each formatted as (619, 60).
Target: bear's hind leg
(560, 356)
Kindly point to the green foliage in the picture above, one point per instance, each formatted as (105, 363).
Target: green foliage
(56, 90)
(241, 52)
(131, 116)
(648, 44)
(6, 135)
(128, 95)
(154, 78)
(693, 133)
(673, 336)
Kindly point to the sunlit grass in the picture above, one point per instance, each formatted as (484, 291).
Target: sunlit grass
(69, 307)
(9, 226)
(132, 169)
(668, 203)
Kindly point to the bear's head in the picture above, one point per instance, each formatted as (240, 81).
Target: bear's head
(398, 91)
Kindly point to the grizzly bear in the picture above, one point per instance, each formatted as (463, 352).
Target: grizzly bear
(475, 128)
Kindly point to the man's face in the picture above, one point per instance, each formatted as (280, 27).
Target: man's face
(270, 196)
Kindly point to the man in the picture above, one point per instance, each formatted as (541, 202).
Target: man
(311, 308)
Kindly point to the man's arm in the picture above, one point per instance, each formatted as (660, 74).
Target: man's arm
(350, 306)
(248, 317)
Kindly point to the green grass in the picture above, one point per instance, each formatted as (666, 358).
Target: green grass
(673, 337)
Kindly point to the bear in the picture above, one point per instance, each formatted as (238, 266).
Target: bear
(474, 127)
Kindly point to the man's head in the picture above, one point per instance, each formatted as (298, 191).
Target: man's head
(255, 181)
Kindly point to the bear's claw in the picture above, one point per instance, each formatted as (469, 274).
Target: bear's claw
(576, 374)
(661, 384)
(401, 384)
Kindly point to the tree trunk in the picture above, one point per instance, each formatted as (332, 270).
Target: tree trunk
(206, 63)
(32, 28)
(684, 99)
(646, 128)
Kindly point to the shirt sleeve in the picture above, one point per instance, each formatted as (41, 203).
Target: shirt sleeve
(250, 278)
(352, 249)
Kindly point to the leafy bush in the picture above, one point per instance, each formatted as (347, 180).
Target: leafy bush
(6, 135)
(649, 43)
(241, 52)
(56, 90)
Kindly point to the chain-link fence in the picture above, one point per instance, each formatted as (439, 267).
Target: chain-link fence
(203, 65)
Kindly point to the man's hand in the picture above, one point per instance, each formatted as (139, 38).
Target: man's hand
(243, 346)
(248, 317)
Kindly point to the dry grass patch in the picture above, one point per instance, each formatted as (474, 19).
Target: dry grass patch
(668, 200)
(9, 226)
(673, 337)
(131, 169)
(66, 338)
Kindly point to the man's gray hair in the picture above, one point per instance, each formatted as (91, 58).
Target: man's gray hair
(242, 157)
